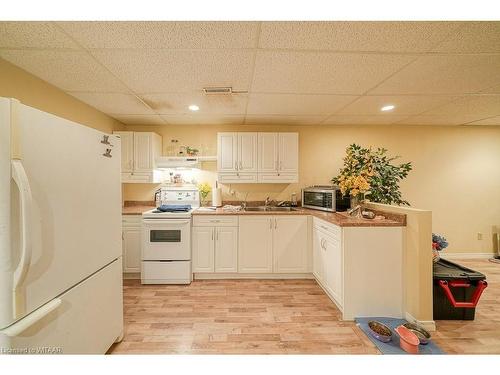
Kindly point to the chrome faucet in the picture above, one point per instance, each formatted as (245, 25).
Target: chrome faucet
(243, 203)
(267, 202)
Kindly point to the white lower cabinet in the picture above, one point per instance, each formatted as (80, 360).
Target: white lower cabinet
(273, 244)
(203, 249)
(131, 243)
(215, 249)
(327, 259)
(255, 244)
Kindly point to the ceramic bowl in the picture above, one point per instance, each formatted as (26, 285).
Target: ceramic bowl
(407, 340)
(380, 331)
(423, 335)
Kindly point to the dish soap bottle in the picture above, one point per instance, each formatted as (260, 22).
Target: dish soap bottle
(294, 200)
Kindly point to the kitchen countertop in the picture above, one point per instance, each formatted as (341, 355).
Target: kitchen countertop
(137, 207)
(337, 218)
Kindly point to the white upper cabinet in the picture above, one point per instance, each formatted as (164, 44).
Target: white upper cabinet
(127, 139)
(227, 152)
(139, 150)
(288, 152)
(247, 152)
(258, 157)
(268, 152)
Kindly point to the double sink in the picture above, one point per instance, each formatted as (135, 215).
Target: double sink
(270, 209)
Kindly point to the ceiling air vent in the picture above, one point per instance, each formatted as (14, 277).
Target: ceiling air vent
(218, 90)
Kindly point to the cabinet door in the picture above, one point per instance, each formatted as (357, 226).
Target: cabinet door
(333, 268)
(290, 244)
(143, 150)
(317, 255)
(227, 152)
(268, 152)
(255, 244)
(247, 152)
(203, 249)
(127, 142)
(131, 247)
(226, 249)
(288, 152)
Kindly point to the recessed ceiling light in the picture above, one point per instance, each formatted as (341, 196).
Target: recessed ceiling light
(193, 107)
(387, 108)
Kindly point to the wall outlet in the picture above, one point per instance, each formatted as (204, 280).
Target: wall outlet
(479, 236)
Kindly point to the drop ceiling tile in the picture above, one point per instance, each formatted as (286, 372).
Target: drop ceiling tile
(475, 105)
(163, 35)
(487, 121)
(33, 35)
(160, 71)
(355, 36)
(322, 73)
(451, 74)
(437, 120)
(139, 119)
(177, 104)
(116, 103)
(203, 119)
(283, 120)
(405, 105)
(387, 119)
(473, 37)
(292, 104)
(491, 90)
(68, 70)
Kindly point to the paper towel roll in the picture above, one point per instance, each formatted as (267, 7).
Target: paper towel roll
(217, 197)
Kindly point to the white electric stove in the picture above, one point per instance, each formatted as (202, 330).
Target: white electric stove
(166, 237)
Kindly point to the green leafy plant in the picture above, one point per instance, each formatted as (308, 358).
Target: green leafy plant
(371, 172)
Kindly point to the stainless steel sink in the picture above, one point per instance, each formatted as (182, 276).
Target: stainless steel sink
(270, 209)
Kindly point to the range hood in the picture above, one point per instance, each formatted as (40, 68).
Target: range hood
(166, 162)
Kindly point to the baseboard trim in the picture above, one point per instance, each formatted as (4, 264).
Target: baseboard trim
(446, 255)
(429, 325)
(132, 276)
(273, 276)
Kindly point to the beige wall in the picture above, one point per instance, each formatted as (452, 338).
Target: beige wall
(32, 91)
(456, 171)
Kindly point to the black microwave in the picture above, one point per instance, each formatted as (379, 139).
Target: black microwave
(325, 198)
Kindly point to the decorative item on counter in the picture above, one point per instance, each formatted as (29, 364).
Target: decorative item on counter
(204, 189)
(438, 243)
(368, 214)
(188, 150)
(370, 172)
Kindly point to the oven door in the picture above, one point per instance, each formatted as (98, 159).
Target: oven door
(166, 239)
(319, 200)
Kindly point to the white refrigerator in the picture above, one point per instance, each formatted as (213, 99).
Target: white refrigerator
(60, 234)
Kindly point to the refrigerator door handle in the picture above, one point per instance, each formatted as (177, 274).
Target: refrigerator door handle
(22, 182)
(28, 321)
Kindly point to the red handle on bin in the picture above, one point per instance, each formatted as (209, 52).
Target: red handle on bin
(462, 283)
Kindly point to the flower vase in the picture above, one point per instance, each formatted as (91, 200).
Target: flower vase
(356, 200)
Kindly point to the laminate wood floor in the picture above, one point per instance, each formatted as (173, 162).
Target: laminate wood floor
(276, 317)
(236, 317)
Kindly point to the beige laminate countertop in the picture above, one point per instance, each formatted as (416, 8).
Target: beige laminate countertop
(337, 218)
(135, 210)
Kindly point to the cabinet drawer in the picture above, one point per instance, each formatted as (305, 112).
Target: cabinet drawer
(242, 178)
(278, 177)
(215, 220)
(131, 220)
(330, 229)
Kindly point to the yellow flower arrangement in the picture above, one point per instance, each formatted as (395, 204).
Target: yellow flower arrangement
(204, 189)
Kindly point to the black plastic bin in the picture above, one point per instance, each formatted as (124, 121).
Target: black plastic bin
(457, 290)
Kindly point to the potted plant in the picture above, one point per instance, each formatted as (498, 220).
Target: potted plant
(438, 243)
(204, 189)
(371, 172)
